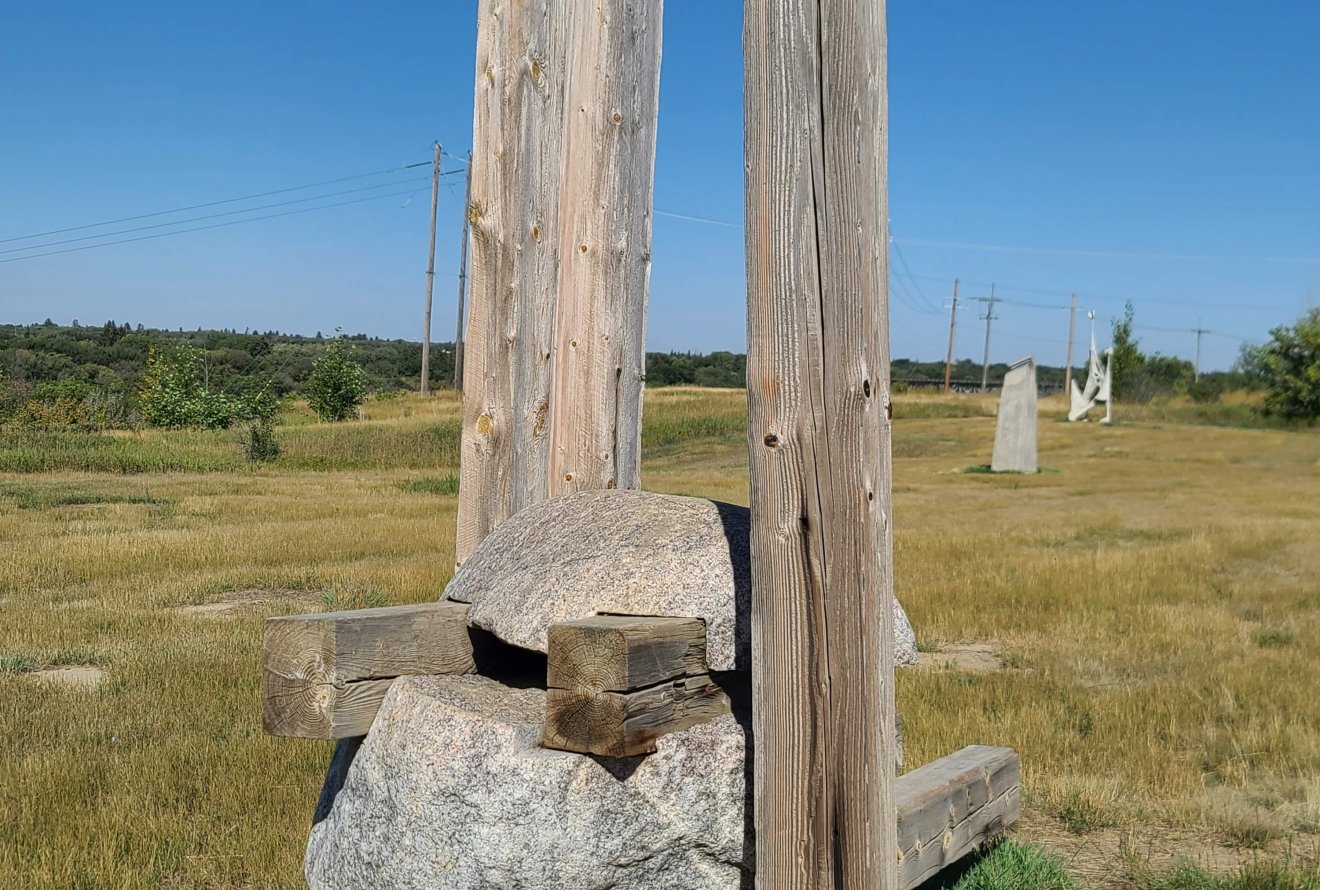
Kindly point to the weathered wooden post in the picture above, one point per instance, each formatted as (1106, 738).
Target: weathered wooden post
(555, 352)
(516, 171)
(605, 245)
(818, 432)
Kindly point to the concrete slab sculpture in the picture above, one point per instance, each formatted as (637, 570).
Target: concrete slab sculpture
(1099, 384)
(1015, 432)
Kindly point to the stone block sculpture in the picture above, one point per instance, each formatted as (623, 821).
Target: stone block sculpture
(1015, 431)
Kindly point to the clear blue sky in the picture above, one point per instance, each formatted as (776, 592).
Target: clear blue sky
(1167, 152)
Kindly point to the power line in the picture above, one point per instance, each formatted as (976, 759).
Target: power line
(903, 295)
(235, 222)
(930, 307)
(1107, 298)
(295, 188)
(699, 219)
(180, 222)
(1114, 254)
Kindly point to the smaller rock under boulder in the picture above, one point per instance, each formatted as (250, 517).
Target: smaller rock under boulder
(630, 552)
(450, 790)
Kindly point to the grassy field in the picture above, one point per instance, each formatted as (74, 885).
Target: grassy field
(1140, 620)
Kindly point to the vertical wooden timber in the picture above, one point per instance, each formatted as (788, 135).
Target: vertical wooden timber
(516, 170)
(605, 245)
(819, 438)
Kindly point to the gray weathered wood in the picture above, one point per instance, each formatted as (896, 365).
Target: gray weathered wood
(623, 724)
(954, 807)
(325, 675)
(617, 653)
(819, 437)
(605, 245)
(516, 172)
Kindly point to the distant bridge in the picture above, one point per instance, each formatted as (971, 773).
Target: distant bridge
(973, 386)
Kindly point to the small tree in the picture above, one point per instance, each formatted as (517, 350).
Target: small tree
(337, 384)
(174, 392)
(1289, 366)
(1127, 357)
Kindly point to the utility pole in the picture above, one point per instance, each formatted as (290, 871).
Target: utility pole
(1199, 331)
(430, 277)
(985, 359)
(953, 319)
(1068, 365)
(462, 278)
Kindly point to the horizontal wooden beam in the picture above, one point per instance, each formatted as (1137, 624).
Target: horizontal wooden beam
(624, 724)
(619, 682)
(325, 675)
(953, 807)
(618, 653)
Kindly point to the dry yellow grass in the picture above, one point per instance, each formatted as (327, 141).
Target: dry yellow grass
(1153, 595)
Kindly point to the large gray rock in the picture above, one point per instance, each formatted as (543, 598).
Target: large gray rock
(632, 552)
(451, 790)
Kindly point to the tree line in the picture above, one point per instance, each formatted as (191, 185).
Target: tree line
(122, 375)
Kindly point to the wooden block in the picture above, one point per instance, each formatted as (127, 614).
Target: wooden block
(953, 807)
(325, 675)
(618, 653)
(618, 724)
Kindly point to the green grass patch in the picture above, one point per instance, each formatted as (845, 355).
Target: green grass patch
(440, 485)
(45, 497)
(1274, 639)
(26, 451)
(18, 663)
(1013, 866)
(352, 595)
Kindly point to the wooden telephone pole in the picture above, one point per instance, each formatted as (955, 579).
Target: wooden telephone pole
(985, 359)
(462, 278)
(953, 320)
(1068, 365)
(430, 277)
(819, 440)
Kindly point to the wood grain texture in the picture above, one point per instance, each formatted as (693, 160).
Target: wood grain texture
(516, 169)
(954, 807)
(618, 653)
(819, 438)
(324, 675)
(624, 724)
(605, 245)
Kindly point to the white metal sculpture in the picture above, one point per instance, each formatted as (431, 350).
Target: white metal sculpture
(1099, 384)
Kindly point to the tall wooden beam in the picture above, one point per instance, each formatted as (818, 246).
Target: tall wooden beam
(605, 245)
(516, 172)
(562, 175)
(819, 437)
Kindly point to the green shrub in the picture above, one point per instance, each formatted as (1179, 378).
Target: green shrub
(174, 392)
(259, 443)
(1289, 366)
(337, 384)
